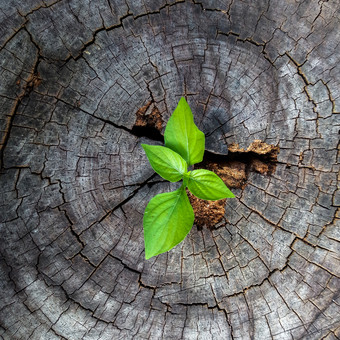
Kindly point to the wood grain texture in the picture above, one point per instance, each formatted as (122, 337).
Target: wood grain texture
(74, 78)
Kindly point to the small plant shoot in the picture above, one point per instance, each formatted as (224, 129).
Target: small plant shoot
(169, 217)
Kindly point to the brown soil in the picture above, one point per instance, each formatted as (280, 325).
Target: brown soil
(261, 167)
(261, 156)
(258, 147)
(149, 116)
(233, 169)
(233, 173)
(207, 213)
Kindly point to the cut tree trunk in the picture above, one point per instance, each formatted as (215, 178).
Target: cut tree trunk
(84, 83)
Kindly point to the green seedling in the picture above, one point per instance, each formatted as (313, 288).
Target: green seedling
(169, 217)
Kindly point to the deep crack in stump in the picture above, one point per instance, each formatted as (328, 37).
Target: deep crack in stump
(233, 169)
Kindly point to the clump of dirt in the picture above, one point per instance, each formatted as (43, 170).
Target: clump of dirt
(233, 170)
(261, 157)
(257, 146)
(233, 173)
(149, 116)
(207, 213)
(261, 167)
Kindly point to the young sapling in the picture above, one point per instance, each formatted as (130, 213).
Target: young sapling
(169, 217)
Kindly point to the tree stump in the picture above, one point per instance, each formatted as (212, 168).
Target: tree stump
(84, 83)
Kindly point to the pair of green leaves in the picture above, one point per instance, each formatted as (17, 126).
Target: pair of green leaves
(169, 217)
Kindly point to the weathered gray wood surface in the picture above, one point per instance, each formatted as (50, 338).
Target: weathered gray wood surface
(75, 182)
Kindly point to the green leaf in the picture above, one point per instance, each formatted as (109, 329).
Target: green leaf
(183, 136)
(207, 185)
(168, 218)
(167, 163)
